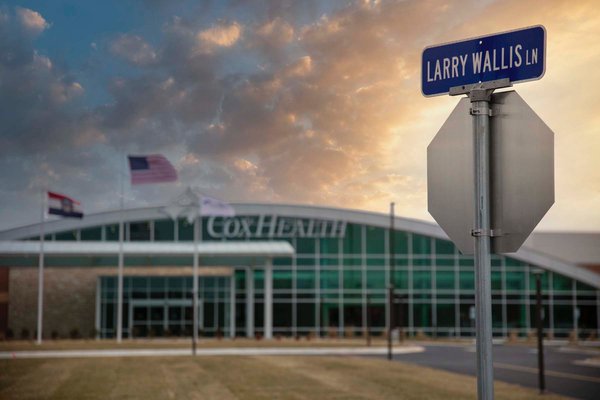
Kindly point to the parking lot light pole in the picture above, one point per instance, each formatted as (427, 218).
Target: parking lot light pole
(540, 334)
(391, 283)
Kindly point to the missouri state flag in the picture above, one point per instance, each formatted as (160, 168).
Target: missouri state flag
(154, 168)
(59, 204)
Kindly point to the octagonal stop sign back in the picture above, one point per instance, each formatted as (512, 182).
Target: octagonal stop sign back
(521, 178)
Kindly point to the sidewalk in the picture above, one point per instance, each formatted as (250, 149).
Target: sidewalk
(240, 351)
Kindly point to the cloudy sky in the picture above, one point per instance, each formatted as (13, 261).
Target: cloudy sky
(310, 102)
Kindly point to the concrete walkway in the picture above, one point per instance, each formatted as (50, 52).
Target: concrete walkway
(232, 351)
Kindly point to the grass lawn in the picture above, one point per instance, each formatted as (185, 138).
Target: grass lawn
(225, 378)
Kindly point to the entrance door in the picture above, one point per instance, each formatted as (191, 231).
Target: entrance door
(157, 318)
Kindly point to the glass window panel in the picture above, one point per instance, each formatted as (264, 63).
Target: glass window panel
(282, 261)
(496, 280)
(91, 233)
(582, 287)
(70, 236)
(515, 280)
(112, 232)
(563, 316)
(422, 262)
(164, 230)
(329, 246)
(305, 246)
(445, 315)
(401, 279)
(330, 317)
(421, 244)
(259, 281)
(376, 261)
(282, 315)
(515, 316)
(330, 279)
(349, 262)
(376, 279)
(282, 279)
(511, 262)
(305, 279)
(444, 280)
(444, 247)
(444, 262)
(588, 319)
(466, 262)
(400, 240)
(352, 279)
(305, 314)
(422, 315)
(185, 230)
(139, 231)
(353, 239)
(497, 316)
(544, 278)
(401, 261)
(421, 280)
(329, 261)
(375, 240)
(560, 282)
(303, 261)
(467, 280)
(496, 261)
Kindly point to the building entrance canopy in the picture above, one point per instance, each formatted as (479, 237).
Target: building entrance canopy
(249, 254)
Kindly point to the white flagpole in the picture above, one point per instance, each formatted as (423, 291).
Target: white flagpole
(120, 268)
(40, 313)
(197, 238)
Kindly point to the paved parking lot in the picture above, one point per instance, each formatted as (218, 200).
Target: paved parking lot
(569, 371)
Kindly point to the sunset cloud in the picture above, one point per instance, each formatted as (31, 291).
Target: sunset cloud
(220, 35)
(134, 49)
(31, 20)
(283, 102)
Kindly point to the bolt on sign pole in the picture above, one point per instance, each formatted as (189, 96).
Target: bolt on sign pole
(391, 284)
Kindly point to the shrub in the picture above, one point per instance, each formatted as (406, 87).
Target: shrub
(74, 334)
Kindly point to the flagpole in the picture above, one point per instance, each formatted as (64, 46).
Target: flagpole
(197, 237)
(40, 313)
(120, 268)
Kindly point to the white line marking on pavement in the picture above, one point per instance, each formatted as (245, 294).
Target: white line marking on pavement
(548, 373)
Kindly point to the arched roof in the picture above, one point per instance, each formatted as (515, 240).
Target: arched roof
(527, 255)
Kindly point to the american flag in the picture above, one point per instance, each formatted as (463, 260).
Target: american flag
(154, 168)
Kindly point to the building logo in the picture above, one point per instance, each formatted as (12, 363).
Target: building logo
(273, 226)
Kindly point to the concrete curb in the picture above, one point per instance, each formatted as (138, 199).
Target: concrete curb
(249, 351)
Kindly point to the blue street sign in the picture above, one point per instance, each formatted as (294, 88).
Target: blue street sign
(517, 55)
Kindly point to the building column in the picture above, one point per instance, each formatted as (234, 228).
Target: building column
(249, 302)
(268, 328)
(232, 305)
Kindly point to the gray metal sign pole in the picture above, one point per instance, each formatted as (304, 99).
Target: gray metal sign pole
(480, 100)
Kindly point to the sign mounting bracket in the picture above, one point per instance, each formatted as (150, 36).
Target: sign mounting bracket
(481, 86)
